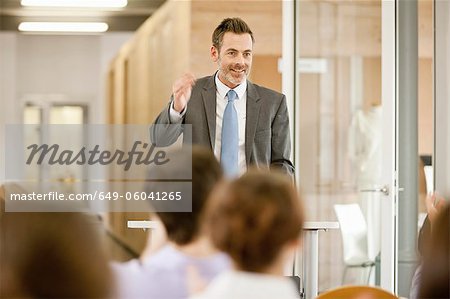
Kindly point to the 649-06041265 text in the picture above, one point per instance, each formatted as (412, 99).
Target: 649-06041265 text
(98, 195)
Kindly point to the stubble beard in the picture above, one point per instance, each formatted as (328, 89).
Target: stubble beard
(227, 73)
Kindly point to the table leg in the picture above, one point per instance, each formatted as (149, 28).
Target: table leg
(311, 263)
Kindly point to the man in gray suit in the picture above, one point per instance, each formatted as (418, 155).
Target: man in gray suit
(243, 123)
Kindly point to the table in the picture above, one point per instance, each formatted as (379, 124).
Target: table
(144, 224)
(310, 255)
(309, 252)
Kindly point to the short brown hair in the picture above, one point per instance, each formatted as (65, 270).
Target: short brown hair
(182, 228)
(435, 278)
(254, 217)
(234, 25)
(51, 255)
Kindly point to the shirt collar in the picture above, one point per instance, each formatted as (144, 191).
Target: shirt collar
(222, 89)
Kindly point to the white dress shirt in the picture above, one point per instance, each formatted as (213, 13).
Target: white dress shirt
(247, 285)
(221, 102)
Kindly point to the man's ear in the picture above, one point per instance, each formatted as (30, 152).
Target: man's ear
(214, 54)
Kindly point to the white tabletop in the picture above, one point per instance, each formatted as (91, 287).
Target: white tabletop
(320, 225)
(308, 225)
(142, 224)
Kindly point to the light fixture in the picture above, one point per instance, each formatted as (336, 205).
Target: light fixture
(71, 27)
(75, 3)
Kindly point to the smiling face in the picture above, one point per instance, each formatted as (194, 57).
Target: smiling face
(234, 58)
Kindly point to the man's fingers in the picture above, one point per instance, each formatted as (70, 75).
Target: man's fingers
(181, 90)
(185, 82)
(180, 86)
(190, 78)
(185, 91)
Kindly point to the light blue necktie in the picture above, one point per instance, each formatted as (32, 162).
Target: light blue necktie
(230, 137)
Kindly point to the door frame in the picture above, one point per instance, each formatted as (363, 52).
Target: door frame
(389, 206)
(389, 91)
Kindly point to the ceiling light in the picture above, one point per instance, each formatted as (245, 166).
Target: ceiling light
(75, 3)
(89, 27)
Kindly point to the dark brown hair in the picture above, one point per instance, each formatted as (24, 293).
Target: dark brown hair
(51, 255)
(182, 228)
(253, 217)
(234, 25)
(435, 279)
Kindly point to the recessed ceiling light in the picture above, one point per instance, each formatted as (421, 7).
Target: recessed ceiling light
(75, 3)
(74, 27)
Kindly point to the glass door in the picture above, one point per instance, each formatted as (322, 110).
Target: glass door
(344, 111)
(69, 136)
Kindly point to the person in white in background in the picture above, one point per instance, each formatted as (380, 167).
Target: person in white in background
(365, 151)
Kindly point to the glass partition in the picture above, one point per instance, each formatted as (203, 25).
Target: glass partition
(339, 132)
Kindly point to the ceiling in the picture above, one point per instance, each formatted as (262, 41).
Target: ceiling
(128, 18)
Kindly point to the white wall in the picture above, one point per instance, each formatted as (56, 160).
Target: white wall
(72, 67)
(8, 109)
(58, 64)
(442, 116)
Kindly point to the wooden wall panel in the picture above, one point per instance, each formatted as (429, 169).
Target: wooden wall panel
(144, 71)
(263, 17)
(119, 90)
(329, 28)
(158, 55)
(359, 29)
(426, 135)
(110, 86)
(332, 27)
(265, 71)
(426, 36)
(371, 81)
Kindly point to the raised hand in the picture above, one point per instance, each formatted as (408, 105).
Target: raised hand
(434, 203)
(181, 90)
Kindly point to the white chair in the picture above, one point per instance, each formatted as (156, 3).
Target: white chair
(354, 238)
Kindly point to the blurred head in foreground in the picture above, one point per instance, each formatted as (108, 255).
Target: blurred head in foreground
(51, 255)
(257, 220)
(184, 228)
(435, 279)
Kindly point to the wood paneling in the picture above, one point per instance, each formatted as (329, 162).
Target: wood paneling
(340, 28)
(425, 97)
(371, 82)
(263, 17)
(265, 72)
(346, 28)
(142, 74)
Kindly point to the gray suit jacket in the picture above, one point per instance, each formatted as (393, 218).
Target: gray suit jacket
(267, 139)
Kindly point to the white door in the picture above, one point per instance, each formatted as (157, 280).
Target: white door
(43, 112)
(388, 242)
(342, 103)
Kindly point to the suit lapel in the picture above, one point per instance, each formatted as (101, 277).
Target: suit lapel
(209, 101)
(251, 121)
